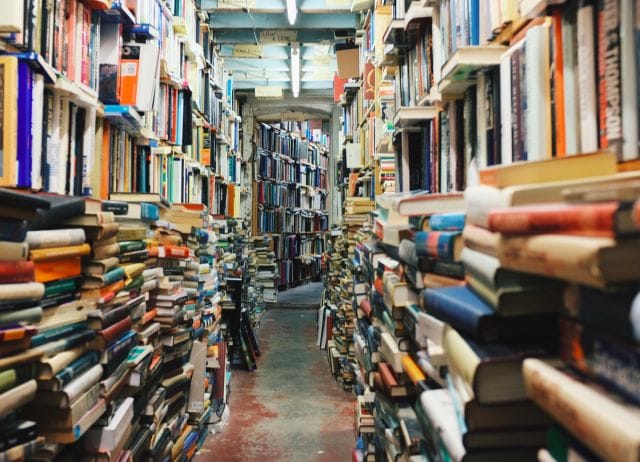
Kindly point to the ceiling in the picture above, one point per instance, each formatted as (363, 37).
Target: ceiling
(255, 38)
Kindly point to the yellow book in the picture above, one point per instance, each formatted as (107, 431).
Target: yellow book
(55, 253)
(558, 169)
(9, 120)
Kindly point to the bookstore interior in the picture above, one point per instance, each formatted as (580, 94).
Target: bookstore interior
(462, 177)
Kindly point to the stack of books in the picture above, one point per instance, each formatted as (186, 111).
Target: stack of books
(586, 238)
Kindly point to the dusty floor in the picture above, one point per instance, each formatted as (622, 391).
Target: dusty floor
(290, 408)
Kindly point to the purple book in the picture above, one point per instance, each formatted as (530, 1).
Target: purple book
(25, 105)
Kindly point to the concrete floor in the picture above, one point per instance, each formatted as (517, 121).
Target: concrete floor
(290, 409)
(304, 296)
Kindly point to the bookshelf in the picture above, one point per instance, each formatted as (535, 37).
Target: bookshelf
(485, 112)
(291, 173)
(121, 309)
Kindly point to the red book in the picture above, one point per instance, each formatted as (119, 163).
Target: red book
(604, 218)
(16, 271)
(109, 335)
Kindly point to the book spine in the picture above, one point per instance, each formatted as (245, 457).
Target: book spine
(570, 75)
(16, 271)
(76, 368)
(113, 332)
(82, 383)
(610, 361)
(609, 79)
(558, 84)
(586, 77)
(628, 68)
(55, 238)
(25, 107)
(595, 418)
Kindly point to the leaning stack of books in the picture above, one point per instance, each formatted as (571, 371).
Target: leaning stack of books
(585, 234)
(45, 335)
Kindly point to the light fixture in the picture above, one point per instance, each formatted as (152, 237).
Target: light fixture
(295, 69)
(292, 11)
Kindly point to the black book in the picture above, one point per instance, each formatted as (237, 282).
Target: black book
(40, 210)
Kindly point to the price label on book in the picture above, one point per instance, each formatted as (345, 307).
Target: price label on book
(278, 36)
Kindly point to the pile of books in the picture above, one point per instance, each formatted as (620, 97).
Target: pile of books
(110, 313)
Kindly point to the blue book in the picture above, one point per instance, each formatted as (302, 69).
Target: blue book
(77, 367)
(25, 106)
(474, 22)
(13, 230)
(57, 333)
(149, 212)
(453, 221)
(469, 314)
(443, 245)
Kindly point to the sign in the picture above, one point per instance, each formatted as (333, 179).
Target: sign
(369, 81)
(236, 4)
(278, 36)
(268, 92)
(247, 51)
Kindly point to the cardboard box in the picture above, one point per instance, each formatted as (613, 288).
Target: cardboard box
(348, 62)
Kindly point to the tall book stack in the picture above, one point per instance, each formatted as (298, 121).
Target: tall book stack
(291, 191)
(587, 379)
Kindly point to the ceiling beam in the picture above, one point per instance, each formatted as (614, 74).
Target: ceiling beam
(278, 6)
(247, 35)
(240, 20)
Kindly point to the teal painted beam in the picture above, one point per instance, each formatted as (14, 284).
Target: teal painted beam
(242, 19)
(277, 5)
(246, 35)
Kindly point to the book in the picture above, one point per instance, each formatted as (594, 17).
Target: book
(68, 436)
(461, 308)
(41, 211)
(584, 409)
(613, 218)
(602, 260)
(427, 204)
(55, 238)
(16, 397)
(562, 168)
(16, 271)
(443, 245)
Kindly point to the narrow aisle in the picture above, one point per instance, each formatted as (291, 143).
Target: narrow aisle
(290, 408)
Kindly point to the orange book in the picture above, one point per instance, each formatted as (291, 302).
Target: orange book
(174, 251)
(148, 316)
(56, 253)
(129, 70)
(558, 86)
(231, 209)
(51, 270)
(412, 370)
(70, 37)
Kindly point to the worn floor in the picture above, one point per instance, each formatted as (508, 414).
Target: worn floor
(304, 296)
(290, 409)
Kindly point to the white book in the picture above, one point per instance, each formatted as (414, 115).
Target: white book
(481, 118)
(587, 79)
(37, 113)
(108, 437)
(81, 384)
(538, 94)
(440, 410)
(506, 141)
(12, 16)
(391, 352)
(571, 95)
(629, 80)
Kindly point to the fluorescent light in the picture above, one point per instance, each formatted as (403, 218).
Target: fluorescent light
(295, 69)
(292, 11)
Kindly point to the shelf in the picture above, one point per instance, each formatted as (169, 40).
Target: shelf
(119, 13)
(146, 31)
(459, 72)
(431, 98)
(395, 34)
(411, 116)
(530, 9)
(76, 91)
(179, 25)
(125, 117)
(416, 16)
(38, 63)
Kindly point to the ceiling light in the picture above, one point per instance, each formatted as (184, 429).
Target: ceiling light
(295, 69)
(292, 11)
